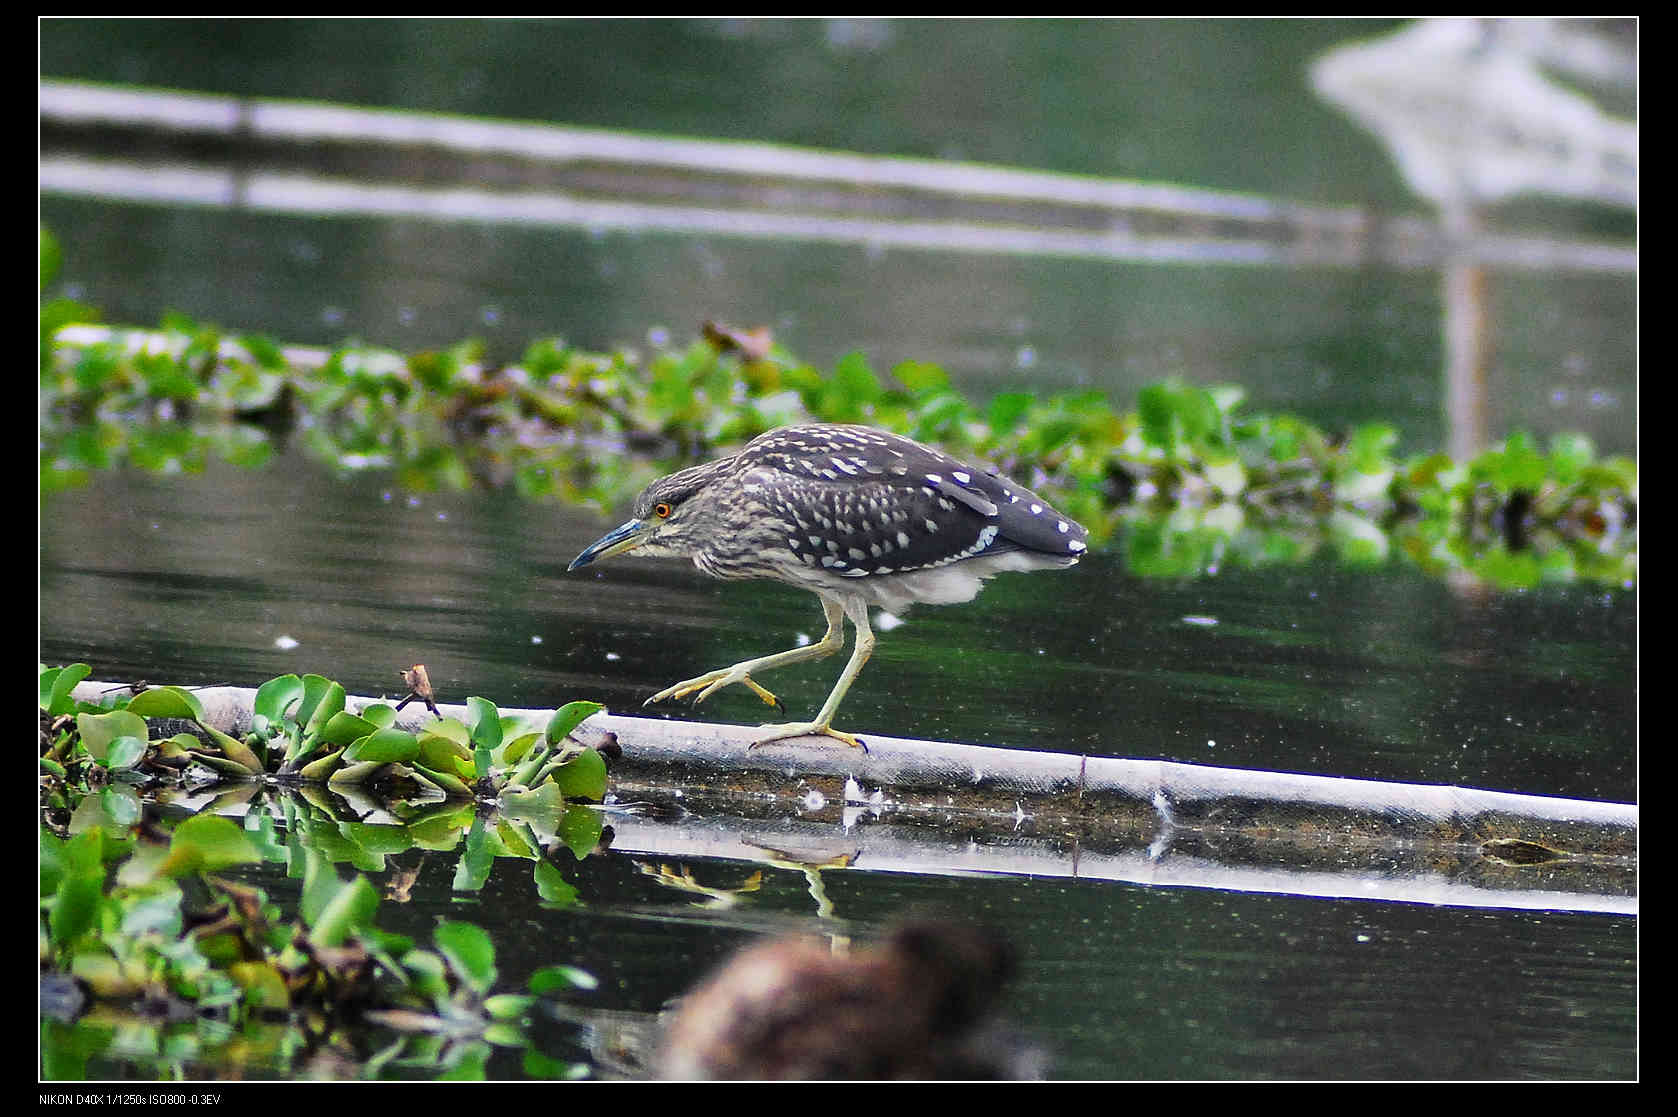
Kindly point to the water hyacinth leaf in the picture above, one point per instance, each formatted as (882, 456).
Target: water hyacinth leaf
(442, 830)
(483, 762)
(320, 884)
(1506, 570)
(485, 721)
(568, 717)
(1570, 454)
(1226, 475)
(344, 727)
(1369, 446)
(544, 805)
(143, 867)
(580, 830)
(1358, 539)
(560, 979)
(1175, 417)
(505, 1034)
(85, 854)
(121, 805)
(379, 714)
(321, 699)
(44, 681)
(56, 685)
(93, 814)
(424, 787)
(234, 749)
(262, 983)
(104, 975)
(515, 725)
(465, 1063)
(124, 752)
(181, 744)
(157, 913)
(519, 747)
(275, 698)
(263, 351)
(75, 907)
(1226, 398)
(384, 746)
(387, 942)
(855, 379)
(511, 840)
(1557, 566)
(452, 731)
(323, 767)
(1007, 409)
(508, 1006)
(476, 861)
(583, 776)
(1517, 466)
(921, 376)
(52, 257)
(350, 774)
(940, 414)
(426, 974)
(351, 907)
(206, 844)
(222, 766)
(167, 702)
(49, 855)
(1224, 519)
(445, 781)
(442, 754)
(99, 730)
(526, 774)
(260, 829)
(1360, 488)
(469, 951)
(345, 851)
(376, 838)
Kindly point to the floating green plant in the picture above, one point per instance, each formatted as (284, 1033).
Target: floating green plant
(1206, 482)
(301, 731)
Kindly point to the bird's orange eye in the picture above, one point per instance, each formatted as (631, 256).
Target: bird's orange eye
(662, 510)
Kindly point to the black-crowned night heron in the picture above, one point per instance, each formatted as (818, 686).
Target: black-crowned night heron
(859, 517)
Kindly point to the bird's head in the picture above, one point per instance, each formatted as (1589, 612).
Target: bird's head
(664, 515)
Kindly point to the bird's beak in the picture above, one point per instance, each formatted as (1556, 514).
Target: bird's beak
(624, 537)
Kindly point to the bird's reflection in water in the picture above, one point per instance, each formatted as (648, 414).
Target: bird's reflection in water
(917, 1005)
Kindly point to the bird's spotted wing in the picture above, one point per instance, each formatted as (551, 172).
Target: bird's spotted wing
(865, 502)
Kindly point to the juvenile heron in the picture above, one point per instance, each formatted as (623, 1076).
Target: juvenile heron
(859, 517)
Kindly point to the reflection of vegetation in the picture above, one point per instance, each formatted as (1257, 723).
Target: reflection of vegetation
(137, 921)
(167, 949)
(1199, 482)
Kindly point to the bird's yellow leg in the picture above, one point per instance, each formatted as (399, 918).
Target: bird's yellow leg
(823, 725)
(713, 681)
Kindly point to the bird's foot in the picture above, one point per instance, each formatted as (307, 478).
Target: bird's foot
(713, 681)
(807, 729)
